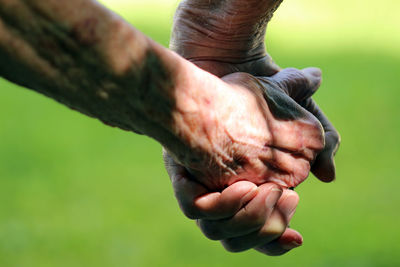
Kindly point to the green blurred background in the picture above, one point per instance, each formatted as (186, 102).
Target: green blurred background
(77, 193)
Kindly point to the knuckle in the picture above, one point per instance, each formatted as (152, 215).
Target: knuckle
(313, 135)
(316, 125)
(302, 171)
(319, 135)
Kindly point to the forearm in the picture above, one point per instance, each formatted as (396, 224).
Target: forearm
(82, 55)
(229, 31)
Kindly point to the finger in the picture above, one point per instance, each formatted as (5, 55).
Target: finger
(289, 169)
(289, 240)
(298, 84)
(185, 189)
(273, 228)
(215, 206)
(293, 128)
(196, 201)
(324, 165)
(248, 219)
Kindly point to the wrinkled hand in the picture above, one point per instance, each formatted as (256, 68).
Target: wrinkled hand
(251, 128)
(224, 37)
(204, 38)
(244, 215)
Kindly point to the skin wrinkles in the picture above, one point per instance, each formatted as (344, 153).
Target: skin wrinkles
(260, 164)
(226, 62)
(287, 147)
(106, 69)
(223, 29)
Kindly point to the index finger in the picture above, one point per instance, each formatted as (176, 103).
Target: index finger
(324, 165)
(198, 202)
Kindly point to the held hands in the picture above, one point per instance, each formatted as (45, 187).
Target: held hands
(243, 215)
(250, 128)
(225, 37)
(237, 141)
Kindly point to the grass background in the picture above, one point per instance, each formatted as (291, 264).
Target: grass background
(74, 192)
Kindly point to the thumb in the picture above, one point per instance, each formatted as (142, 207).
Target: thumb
(298, 84)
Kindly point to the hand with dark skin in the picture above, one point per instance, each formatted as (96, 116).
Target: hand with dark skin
(224, 37)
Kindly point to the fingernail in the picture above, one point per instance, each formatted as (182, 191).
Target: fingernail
(273, 197)
(291, 245)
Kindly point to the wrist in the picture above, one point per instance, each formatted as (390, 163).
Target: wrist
(211, 39)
